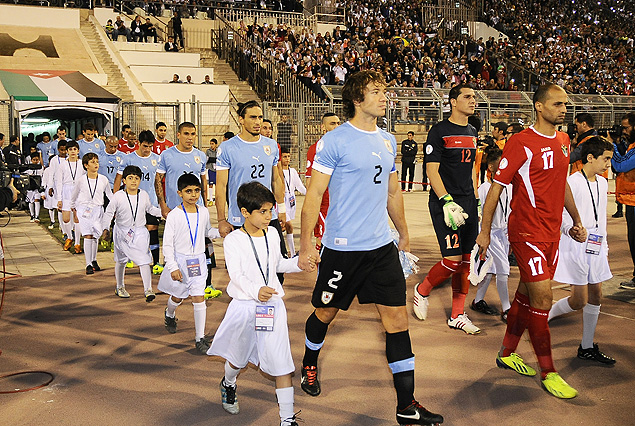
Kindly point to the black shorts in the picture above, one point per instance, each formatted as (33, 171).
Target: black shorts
(461, 241)
(152, 220)
(374, 276)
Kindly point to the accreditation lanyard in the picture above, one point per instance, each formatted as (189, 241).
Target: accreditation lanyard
(285, 180)
(505, 204)
(253, 247)
(595, 211)
(71, 170)
(192, 238)
(136, 209)
(91, 191)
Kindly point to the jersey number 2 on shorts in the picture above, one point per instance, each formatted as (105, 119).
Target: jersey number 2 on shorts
(535, 264)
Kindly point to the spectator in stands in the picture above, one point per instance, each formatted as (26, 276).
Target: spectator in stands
(170, 46)
(149, 31)
(109, 28)
(120, 28)
(207, 80)
(175, 79)
(188, 80)
(136, 29)
(285, 129)
(177, 29)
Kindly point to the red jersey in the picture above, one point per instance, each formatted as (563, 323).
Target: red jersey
(537, 166)
(160, 146)
(310, 156)
(123, 147)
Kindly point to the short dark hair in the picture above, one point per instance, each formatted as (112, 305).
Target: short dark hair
(594, 146)
(187, 179)
(355, 87)
(253, 195)
(492, 153)
(159, 124)
(228, 135)
(186, 124)
(13, 138)
(124, 127)
(542, 92)
(410, 132)
(515, 128)
(285, 150)
(327, 115)
(87, 157)
(630, 117)
(88, 126)
(585, 117)
(1, 136)
(61, 128)
(61, 143)
(146, 136)
(46, 134)
(501, 125)
(243, 107)
(132, 170)
(455, 92)
(213, 140)
(266, 120)
(71, 144)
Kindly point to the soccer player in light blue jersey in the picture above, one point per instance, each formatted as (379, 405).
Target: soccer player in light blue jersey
(148, 163)
(246, 157)
(356, 161)
(110, 160)
(179, 159)
(90, 143)
(47, 148)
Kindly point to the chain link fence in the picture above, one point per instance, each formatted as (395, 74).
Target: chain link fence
(5, 119)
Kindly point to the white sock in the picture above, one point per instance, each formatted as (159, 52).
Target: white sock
(561, 307)
(32, 209)
(230, 374)
(95, 248)
(88, 250)
(120, 270)
(481, 289)
(200, 315)
(37, 206)
(503, 291)
(285, 404)
(590, 314)
(290, 244)
(52, 216)
(146, 277)
(66, 229)
(60, 220)
(78, 233)
(172, 305)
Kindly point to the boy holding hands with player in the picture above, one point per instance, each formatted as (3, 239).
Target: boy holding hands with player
(586, 265)
(130, 235)
(185, 272)
(254, 329)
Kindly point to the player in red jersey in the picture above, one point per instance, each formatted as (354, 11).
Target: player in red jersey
(161, 143)
(131, 144)
(536, 162)
(330, 121)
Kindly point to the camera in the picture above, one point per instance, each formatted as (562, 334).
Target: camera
(23, 182)
(615, 132)
(571, 131)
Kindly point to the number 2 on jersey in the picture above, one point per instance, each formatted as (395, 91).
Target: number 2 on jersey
(376, 177)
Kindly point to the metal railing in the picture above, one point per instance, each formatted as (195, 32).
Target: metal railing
(249, 16)
(271, 80)
(329, 13)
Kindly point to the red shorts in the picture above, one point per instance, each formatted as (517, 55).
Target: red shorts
(536, 261)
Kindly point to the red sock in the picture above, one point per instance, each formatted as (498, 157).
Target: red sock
(438, 273)
(541, 339)
(460, 286)
(517, 320)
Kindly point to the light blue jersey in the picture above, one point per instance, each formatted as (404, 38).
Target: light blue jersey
(174, 163)
(96, 146)
(47, 149)
(360, 164)
(246, 161)
(148, 166)
(109, 164)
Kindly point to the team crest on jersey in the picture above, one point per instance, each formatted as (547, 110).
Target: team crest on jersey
(96, 145)
(388, 146)
(327, 296)
(565, 151)
(267, 149)
(154, 162)
(474, 140)
(429, 149)
(118, 158)
(197, 159)
(320, 146)
(503, 164)
(218, 151)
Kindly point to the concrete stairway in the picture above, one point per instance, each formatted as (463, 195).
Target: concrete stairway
(116, 82)
(224, 74)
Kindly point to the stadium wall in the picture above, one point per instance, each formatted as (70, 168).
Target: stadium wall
(46, 17)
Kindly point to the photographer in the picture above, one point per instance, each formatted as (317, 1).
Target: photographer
(12, 153)
(584, 123)
(624, 164)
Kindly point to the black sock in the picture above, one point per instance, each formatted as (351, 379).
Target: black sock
(315, 331)
(402, 363)
(154, 245)
(208, 263)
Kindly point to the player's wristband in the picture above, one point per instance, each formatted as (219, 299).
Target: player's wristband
(447, 198)
(223, 220)
(282, 209)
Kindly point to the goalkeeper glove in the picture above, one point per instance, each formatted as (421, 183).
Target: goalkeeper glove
(453, 214)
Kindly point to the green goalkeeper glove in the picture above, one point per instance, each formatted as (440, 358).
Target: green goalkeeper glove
(453, 214)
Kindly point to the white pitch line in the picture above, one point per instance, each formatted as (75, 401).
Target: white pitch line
(617, 316)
